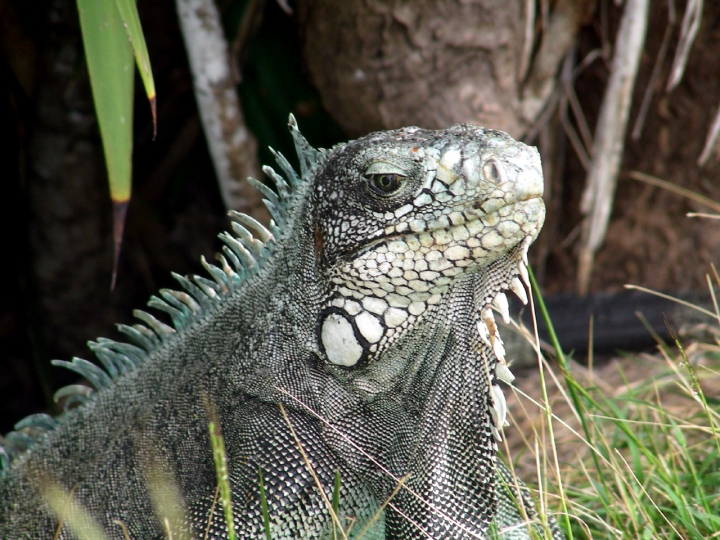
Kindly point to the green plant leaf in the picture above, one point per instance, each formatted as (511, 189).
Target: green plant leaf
(109, 59)
(264, 506)
(110, 64)
(221, 468)
(131, 20)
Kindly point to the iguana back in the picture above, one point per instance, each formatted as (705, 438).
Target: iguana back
(353, 338)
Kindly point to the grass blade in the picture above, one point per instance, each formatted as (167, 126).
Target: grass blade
(263, 506)
(218, 447)
(131, 20)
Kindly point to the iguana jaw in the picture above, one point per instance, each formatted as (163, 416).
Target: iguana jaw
(466, 210)
(510, 274)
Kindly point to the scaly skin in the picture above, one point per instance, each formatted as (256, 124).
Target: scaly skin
(364, 312)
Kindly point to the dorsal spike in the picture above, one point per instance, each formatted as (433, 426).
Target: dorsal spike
(241, 251)
(136, 336)
(162, 330)
(227, 269)
(274, 229)
(182, 301)
(178, 315)
(239, 267)
(135, 354)
(308, 156)
(280, 183)
(75, 393)
(196, 293)
(172, 298)
(223, 277)
(276, 212)
(106, 360)
(114, 363)
(268, 193)
(287, 169)
(273, 204)
(5, 457)
(263, 234)
(241, 232)
(120, 359)
(73, 401)
(95, 376)
(255, 246)
(211, 289)
(19, 441)
(41, 421)
(149, 334)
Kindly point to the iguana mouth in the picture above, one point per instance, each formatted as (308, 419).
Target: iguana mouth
(461, 219)
(510, 273)
(513, 277)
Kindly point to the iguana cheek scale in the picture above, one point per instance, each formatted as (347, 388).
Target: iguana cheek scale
(468, 209)
(364, 309)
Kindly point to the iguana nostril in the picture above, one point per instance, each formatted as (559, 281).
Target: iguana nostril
(493, 171)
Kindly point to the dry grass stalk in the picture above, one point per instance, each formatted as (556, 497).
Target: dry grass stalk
(711, 140)
(610, 136)
(688, 33)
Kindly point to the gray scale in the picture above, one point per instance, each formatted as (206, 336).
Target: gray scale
(353, 336)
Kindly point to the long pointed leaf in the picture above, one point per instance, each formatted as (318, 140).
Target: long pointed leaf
(131, 19)
(110, 65)
(109, 59)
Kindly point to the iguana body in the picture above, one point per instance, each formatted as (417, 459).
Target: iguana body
(363, 311)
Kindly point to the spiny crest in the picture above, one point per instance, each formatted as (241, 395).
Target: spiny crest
(243, 253)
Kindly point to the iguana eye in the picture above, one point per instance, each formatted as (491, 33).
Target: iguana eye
(385, 183)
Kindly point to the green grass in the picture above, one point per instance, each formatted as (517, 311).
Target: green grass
(638, 458)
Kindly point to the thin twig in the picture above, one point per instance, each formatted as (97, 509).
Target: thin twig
(528, 39)
(597, 200)
(64, 512)
(544, 117)
(120, 524)
(654, 181)
(688, 33)
(711, 140)
(650, 88)
(574, 138)
(212, 511)
(319, 485)
(579, 114)
(386, 471)
(382, 506)
(642, 487)
(587, 62)
(543, 386)
(250, 20)
(672, 298)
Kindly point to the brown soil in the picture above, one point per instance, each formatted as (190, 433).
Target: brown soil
(647, 377)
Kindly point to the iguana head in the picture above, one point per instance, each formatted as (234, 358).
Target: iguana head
(401, 215)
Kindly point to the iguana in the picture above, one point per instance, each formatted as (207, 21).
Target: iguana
(349, 345)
